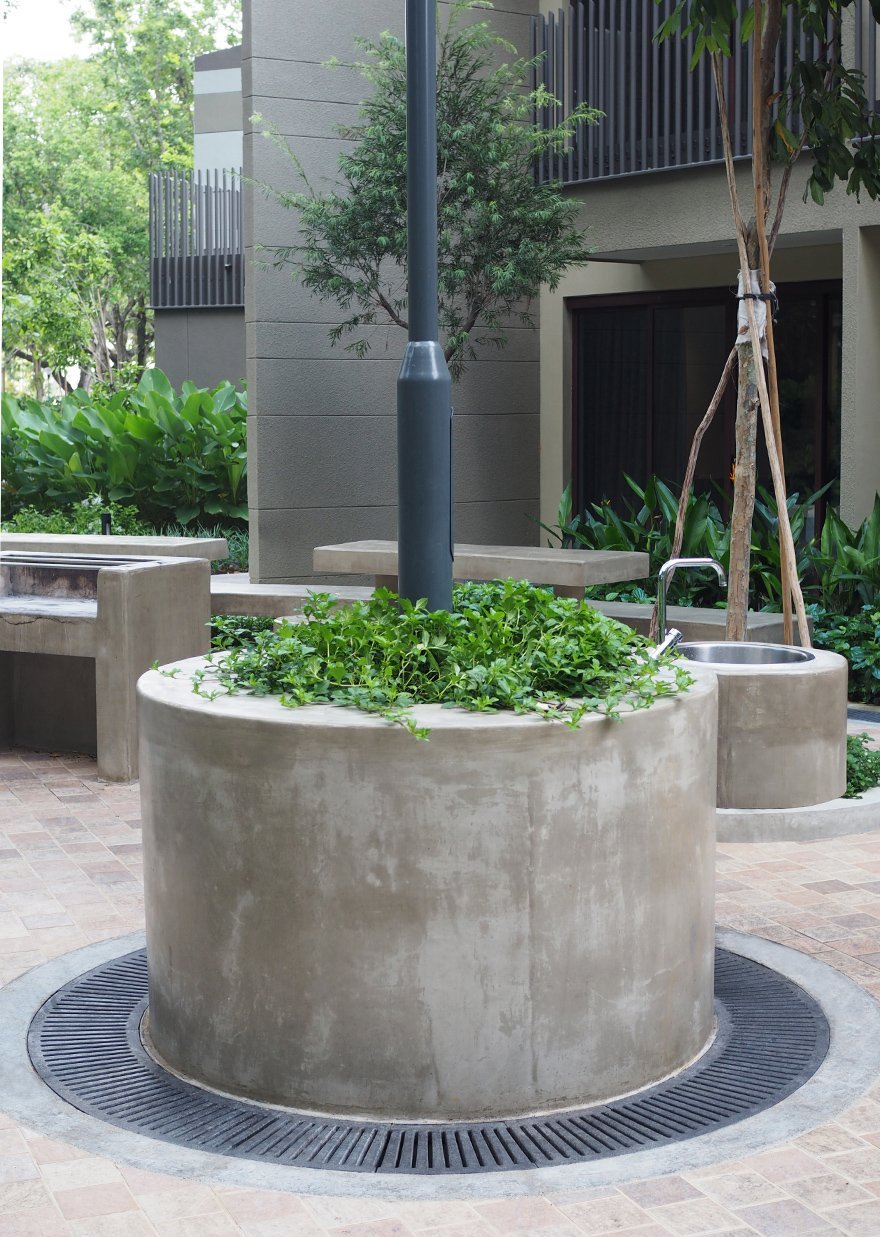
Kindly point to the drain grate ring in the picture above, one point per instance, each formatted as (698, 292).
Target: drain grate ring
(85, 1044)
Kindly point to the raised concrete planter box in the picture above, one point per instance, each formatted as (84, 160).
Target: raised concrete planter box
(781, 731)
(153, 547)
(76, 633)
(512, 916)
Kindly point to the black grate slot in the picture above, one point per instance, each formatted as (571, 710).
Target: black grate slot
(85, 1043)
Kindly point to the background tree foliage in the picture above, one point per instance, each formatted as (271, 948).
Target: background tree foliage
(80, 137)
(501, 235)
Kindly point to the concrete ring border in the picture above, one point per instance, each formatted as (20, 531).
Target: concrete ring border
(850, 1069)
(834, 819)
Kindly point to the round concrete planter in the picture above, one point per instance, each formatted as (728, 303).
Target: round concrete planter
(511, 917)
(781, 732)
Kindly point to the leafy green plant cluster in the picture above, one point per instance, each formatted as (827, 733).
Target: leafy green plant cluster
(505, 645)
(648, 527)
(847, 562)
(857, 638)
(235, 631)
(237, 543)
(81, 518)
(174, 457)
(862, 766)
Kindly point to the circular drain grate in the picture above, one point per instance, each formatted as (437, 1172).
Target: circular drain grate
(85, 1043)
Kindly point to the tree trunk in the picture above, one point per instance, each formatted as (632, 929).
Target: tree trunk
(743, 494)
(141, 335)
(59, 377)
(120, 342)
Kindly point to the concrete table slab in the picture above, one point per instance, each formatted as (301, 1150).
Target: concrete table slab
(84, 543)
(568, 571)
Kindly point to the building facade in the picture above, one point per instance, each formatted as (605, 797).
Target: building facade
(630, 347)
(196, 246)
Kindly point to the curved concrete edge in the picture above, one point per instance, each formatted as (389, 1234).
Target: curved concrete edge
(834, 819)
(851, 1068)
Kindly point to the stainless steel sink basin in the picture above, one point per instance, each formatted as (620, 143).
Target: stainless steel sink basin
(743, 653)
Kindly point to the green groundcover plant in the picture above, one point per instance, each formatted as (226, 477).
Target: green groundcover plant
(505, 645)
(234, 631)
(862, 766)
(81, 518)
(857, 638)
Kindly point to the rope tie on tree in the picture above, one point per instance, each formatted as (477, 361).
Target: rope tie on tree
(770, 297)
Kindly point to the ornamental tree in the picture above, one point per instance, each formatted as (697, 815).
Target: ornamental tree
(501, 234)
(820, 113)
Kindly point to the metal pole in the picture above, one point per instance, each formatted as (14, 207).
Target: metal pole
(424, 387)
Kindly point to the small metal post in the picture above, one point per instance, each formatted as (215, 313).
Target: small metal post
(106, 519)
(424, 387)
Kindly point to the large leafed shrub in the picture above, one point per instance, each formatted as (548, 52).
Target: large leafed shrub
(175, 457)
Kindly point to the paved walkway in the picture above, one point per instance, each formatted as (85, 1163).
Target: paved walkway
(70, 874)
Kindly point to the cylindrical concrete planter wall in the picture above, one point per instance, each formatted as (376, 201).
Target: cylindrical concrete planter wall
(510, 917)
(781, 732)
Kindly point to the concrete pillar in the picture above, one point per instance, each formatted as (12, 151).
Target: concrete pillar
(860, 393)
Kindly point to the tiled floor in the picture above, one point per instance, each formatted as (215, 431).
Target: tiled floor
(70, 874)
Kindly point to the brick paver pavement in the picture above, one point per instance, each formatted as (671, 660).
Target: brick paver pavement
(70, 874)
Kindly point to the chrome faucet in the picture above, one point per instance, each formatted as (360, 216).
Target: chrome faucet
(668, 639)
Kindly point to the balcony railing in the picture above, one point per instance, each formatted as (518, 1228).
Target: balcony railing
(196, 246)
(658, 114)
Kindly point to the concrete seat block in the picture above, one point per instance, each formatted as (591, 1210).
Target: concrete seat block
(235, 594)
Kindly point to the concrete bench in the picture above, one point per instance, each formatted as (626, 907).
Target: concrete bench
(76, 633)
(696, 622)
(235, 594)
(116, 544)
(568, 571)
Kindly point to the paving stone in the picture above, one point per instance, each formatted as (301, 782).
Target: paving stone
(80, 881)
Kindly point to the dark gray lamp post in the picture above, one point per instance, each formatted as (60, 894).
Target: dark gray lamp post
(424, 387)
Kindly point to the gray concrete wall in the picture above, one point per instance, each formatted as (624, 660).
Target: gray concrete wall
(322, 432)
(217, 112)
(202, 345)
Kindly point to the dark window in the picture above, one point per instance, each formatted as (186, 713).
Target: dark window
(645, 371)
